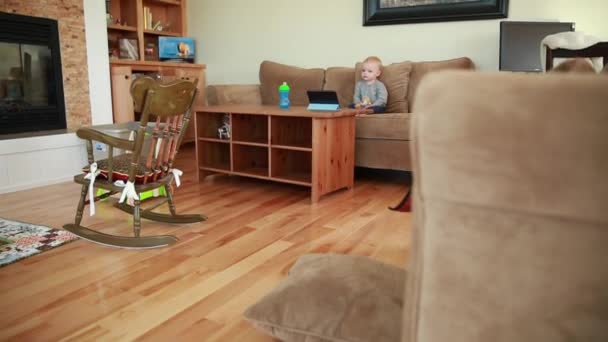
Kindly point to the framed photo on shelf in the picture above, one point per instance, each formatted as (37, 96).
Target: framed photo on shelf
(177, 49)
(390, 12)
(128, 49)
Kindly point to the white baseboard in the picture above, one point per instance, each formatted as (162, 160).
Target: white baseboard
(34, 184)
(28, 163)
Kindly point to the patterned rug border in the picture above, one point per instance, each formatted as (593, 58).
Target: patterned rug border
(38, 241)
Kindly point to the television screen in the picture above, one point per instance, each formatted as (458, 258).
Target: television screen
(520, 43)
(176, 49)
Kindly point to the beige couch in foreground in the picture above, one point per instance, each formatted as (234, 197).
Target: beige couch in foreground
(510, 216)
(510, 225)
(382, 140)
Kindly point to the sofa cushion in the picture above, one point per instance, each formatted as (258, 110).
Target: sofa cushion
(420, 69)
(272, 75)
(330, 297)
(342, 80)
(234, 94)
(396, 79)
(383, 154)
(393, 126)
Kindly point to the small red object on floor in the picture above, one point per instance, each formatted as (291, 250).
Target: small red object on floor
(405, 204)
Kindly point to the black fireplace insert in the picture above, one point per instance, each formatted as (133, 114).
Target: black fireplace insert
(31, 83)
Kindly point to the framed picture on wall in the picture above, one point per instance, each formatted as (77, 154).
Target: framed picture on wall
(389, 12)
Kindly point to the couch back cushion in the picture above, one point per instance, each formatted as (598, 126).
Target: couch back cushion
(233, 94)
(396, 78)
(299, 79)
(420, 69)
(342, 81)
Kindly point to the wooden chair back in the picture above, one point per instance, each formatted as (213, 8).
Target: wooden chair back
(169, 106)
(597, 50)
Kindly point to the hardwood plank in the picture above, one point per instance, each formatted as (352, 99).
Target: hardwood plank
(198, 288)
(238, 331)
(160, 306)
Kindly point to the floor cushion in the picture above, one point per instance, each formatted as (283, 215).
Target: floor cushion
(330, 297)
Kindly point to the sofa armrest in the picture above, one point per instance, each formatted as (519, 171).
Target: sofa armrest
(234, 94)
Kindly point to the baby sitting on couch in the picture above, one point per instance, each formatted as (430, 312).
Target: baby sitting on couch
(370, 93)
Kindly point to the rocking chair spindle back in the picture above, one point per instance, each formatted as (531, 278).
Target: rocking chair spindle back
(169, 107)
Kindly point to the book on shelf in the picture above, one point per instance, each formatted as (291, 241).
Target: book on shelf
(147, 18)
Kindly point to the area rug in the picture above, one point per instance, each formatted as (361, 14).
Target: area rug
(19, 240)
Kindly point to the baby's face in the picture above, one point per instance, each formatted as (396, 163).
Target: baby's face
(370, 71)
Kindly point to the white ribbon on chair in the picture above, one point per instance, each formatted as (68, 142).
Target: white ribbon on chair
(128, 191)
(176, 174)
(157, 148)
(93, 173)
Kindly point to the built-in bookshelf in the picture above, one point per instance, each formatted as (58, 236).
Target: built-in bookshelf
(142, 22)
(139, 23)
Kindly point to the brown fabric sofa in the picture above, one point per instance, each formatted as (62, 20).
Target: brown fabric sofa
(382, 140)
(510, 216)
(510, 225)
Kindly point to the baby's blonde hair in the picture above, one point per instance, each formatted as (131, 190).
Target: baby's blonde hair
(374, 59)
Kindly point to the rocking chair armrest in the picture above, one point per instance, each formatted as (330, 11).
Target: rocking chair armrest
(88, 133)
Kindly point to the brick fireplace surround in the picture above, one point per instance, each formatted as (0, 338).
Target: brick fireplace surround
(70, 17)
(63, 155)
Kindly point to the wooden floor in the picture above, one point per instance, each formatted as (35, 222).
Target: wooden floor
(198, 288)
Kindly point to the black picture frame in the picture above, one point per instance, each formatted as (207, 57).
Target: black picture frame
(373, 14)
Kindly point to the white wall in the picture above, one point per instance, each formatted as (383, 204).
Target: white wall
(98, 61)
(31, 162)
(234, 36)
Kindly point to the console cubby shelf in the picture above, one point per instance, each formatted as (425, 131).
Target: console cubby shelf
(250, 160)
(222, 141)
(291, 131)
(235, 142)
(291, 165)
(294, 148)
(249, 128)
(278, 145)
(213, 155)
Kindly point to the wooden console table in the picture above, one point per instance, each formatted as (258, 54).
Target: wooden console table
(296, 146)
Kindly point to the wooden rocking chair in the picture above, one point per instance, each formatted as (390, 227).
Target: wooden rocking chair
(170, 104)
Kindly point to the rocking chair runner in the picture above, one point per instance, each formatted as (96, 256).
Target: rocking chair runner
(171, 104)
